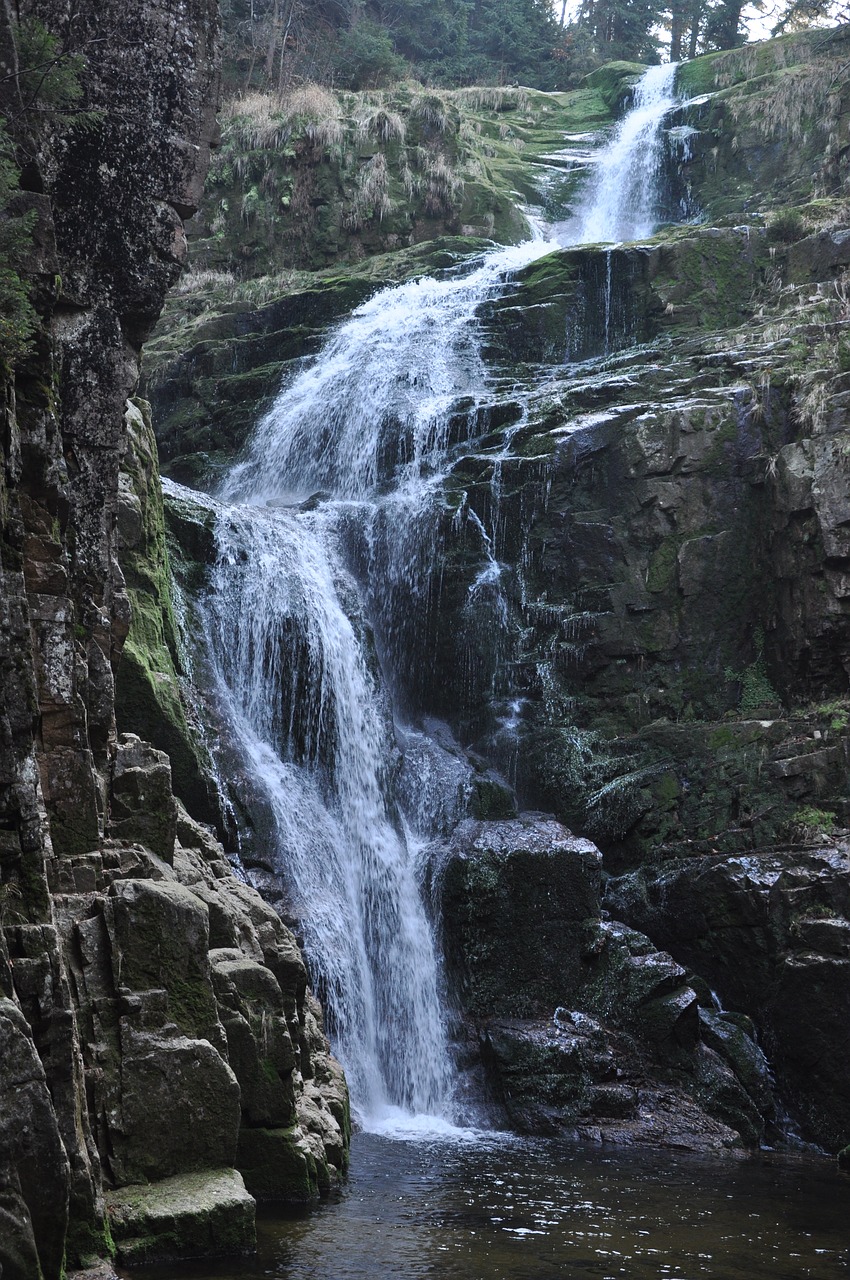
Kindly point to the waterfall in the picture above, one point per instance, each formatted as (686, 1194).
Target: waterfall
(326, 537)
(349, 458)
(621, 201)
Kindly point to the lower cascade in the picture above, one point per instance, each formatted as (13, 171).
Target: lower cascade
(325, 545)
(308, 715)
(308, 704)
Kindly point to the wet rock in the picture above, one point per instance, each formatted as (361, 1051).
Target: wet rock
(521, 919)
(513, 897)
(278, 1165)
(787, 913)
(578, 1074)
(259, 1046)
(153, 698)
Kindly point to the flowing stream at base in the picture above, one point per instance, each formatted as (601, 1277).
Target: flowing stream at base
(511, 1209)
(325, 545)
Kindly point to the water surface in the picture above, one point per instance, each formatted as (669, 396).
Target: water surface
(500, 1208)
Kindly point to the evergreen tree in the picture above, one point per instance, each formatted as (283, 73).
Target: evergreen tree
(622, 29)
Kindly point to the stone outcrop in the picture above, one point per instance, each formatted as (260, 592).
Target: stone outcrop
(770, 932)
(198, 1033)
(581, 1024)
(126, 1053)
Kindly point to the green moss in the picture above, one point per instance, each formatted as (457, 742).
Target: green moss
(757, 690)
(816, 821)
(661, 571)
(698, 76)
(614, 80)
(190, 1003)
(88, 1242)
(276, 1166)
(149, 696)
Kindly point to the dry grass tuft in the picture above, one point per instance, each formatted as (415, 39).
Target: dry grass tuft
(431, 110)
(205, 281)
(371, 198)
(484, 98)
(386, 126)
(267, 121)
(443, 185)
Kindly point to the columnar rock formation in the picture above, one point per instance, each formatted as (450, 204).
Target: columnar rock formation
(155, 1021)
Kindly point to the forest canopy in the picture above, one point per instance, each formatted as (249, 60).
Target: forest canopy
(547, 44)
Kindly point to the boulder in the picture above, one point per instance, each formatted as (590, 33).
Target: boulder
(768, 932)
(142, 805)
(196, 1215)
(514, 896)
(259, 1045)
(179, 1109)
(159, 932)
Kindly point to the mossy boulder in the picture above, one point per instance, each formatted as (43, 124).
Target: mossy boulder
(195, 1215)
(277, 1164)
(613, 81)
(159, 932)
(514, 896)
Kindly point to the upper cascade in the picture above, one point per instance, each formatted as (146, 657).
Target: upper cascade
(375, 406)
(621, 200)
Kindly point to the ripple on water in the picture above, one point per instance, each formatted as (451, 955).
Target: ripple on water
(466, 1205)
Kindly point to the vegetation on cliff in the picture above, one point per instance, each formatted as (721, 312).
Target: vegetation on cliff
(41, 92)
(17, 317)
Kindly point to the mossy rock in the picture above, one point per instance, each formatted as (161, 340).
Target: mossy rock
(614, 80)
(152, 698)
(196, 1215)
(277, 1165)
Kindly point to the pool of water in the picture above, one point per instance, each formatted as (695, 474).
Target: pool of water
(501, 1208)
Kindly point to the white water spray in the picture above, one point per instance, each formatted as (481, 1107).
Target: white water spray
(363, 432)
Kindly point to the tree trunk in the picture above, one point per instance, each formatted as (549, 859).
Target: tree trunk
(677, 30)
(696, 23)
(273, 35)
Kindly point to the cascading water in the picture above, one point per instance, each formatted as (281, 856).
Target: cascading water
(308, 715)
(329, 518)
(362, 433)
(621, 201)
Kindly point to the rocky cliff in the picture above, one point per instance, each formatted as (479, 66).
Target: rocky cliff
(156, 1030)
(660, 466)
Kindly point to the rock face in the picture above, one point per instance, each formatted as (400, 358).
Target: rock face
(771, 931)
(125, 1040)
(581, 1024)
